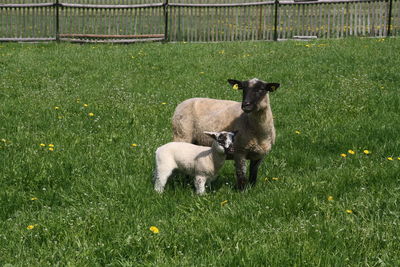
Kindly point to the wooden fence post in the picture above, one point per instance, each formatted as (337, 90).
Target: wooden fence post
(166, 37)
(57, 6)
(389, 18)
(276, 21)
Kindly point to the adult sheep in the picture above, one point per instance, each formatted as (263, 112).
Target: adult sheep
(252, 118)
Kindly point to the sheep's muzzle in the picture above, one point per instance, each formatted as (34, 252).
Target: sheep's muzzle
(247, 107)
(229, 150)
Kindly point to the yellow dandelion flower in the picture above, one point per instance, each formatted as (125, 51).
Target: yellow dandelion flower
(85, 105)
(235, 87)
(51, 148)
(91, 114)
(352, 152)
(42, 145)
(56, 108)
(398, 158)
(349, 211)
(51, 145)
(343, 155)
(297, 132)
(223, 203)
(366, 152)
(34, 198)
(31, 226)
(154, 229)
(201, 72)
(275, 178)
(330, 198)
(78, 100)
(134, 145)
(222, 52)
(163, 103)
(389, 158)
(3, 140)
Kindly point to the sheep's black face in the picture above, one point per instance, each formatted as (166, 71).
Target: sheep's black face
(254, 91)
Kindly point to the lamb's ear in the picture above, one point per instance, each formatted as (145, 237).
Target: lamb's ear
(272, 86)
(213, 135)
(236, 83)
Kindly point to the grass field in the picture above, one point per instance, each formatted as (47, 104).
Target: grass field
(80, 124)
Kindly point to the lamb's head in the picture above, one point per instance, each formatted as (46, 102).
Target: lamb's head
(254, 92)
(223, 141)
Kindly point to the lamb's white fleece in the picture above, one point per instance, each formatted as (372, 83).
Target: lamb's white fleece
(199, 161)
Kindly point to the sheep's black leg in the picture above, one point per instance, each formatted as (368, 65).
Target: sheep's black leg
(254, 164)
(240, 166)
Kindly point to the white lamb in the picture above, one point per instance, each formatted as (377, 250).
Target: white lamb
(199, 161)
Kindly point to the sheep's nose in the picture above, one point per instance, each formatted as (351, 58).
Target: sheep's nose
(246, 104)
(229, 150)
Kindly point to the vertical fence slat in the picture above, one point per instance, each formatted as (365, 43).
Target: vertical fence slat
(313, 19)
(362, 22)
(320, 23)
(308, 19)
(196, 21)
(42, 20)
(339, 31)
(381, 19)
(350, 19)
(282, 24)
(225, 24)
(367, 18)
(360, 19)
(242, 23)
(373, 28)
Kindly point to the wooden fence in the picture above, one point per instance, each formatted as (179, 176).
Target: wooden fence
(194, 20)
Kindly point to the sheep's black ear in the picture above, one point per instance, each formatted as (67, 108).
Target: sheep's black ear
(234, 135)
(213, 135)
(272, 86)
(236, 83)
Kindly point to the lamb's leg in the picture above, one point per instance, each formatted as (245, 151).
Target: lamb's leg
(254, 164)
(161, 178)
(199, 183)
(240, 166)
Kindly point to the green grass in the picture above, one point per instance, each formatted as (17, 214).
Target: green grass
(91, 202)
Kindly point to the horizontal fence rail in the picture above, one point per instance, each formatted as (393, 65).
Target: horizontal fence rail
(126, 21)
